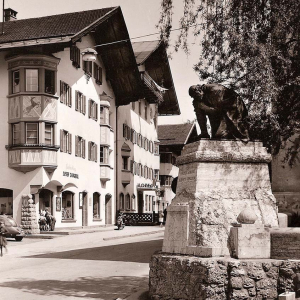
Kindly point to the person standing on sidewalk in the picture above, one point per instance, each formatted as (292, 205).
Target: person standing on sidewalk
(3, 241)
(160, 218)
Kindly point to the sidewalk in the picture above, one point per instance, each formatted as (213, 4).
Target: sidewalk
(128, 231)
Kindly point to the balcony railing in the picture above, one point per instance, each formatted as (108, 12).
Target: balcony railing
(153, 92)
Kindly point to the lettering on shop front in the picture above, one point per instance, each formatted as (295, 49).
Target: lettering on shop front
(72, 175)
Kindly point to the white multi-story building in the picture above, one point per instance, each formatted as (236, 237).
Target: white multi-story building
(63, 117)
(137, 141)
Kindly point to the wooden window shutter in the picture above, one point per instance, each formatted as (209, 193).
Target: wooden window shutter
(89, 151)
(83, 148)
(90, 108)
(124, 130)
(96, 112)
(100, 75)
(95, 70)
(70, 96)
(96, 152)
(76, 145)
(70, 143)
(84, 105)
(76, 100)
(61, 140)
(61, 91)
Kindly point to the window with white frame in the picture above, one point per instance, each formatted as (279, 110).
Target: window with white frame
(156, 174)
(49, 134)
(65, 141)
(125, 160)
(104, 155)
(93, 110)
(79, 146)
(16, 81)
(93, 151)
(104, 115)
(49, 82)
(16, 129)
(80, 102)
(32, 80)
(65, 94)
(121, 203)
(32, 133)
(96, 205)
(127, 202)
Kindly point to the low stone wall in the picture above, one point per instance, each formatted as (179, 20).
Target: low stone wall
(285, 243)
(186, 277)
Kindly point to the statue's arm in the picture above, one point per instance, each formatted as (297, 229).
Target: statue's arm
(207, 109)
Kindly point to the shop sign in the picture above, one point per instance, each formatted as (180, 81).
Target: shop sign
(72, 175)
(147, 185)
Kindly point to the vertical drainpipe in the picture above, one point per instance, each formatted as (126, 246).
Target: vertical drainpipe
(116, 170)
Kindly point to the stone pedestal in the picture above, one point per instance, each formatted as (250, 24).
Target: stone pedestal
(29, 221)
(287, 296)
(251, 241)
(217, 180)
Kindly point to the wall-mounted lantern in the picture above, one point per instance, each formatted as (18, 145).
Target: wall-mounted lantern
(89, 54)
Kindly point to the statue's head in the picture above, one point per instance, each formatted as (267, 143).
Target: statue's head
(196, 91)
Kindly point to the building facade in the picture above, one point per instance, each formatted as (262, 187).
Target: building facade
(172, 139)
(78, 133)
(137, 139)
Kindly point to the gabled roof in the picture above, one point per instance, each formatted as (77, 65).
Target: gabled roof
(51, 26)
(175, 134)
(153, 55)
(142, 50)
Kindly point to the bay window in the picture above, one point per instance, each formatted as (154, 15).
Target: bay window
(49, 134)
(104, 115)
(104, 155)
(32, 133)
(49, 82)
(32, 80)
(16, 133)
(16, 81)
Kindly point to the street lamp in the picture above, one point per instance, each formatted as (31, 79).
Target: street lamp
(89, 54)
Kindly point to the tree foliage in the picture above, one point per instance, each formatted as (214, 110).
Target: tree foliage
(252, 46)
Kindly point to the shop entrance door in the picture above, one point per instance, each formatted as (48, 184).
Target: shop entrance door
(108, 209)
(45, 201)
(84, 209)
(140, 202)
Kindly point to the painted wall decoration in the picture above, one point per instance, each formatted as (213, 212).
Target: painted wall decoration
(14, 156)
(32, 106)
(49, 111)
(14, 108)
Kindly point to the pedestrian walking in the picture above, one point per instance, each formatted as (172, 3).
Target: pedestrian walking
(3, 241)
(160, 218)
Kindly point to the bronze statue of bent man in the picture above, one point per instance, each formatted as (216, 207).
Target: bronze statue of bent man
(225, 110)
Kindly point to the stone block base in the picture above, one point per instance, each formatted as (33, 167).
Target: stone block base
(190, 277)
(251, 241)
(285, 243)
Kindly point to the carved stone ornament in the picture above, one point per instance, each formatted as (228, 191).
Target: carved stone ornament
(247, 216)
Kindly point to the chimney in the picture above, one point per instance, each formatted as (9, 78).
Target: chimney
(10, 15)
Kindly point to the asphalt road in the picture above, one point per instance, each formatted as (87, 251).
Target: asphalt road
(73, 267)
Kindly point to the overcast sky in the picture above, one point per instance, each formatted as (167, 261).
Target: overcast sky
(141, 16)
